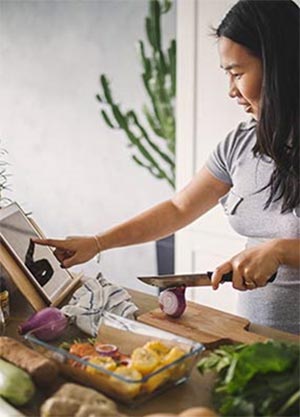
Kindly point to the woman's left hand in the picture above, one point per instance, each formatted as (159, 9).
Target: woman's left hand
(252, 268)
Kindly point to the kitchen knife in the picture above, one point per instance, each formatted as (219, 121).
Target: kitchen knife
(187, 280)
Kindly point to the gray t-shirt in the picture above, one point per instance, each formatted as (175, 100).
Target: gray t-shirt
(277, 304)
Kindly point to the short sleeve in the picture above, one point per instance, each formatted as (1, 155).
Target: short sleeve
(222, 161)
(217, 163)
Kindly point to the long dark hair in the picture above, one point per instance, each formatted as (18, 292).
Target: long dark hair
(269, 29)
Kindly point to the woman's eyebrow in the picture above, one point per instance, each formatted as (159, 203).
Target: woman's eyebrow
(230, 66)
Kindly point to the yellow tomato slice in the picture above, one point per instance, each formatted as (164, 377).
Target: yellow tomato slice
(101, 361)
(179, 370)
(158, 347)
(144, 360)
(128, 388)
(157, 380)
(174, 354)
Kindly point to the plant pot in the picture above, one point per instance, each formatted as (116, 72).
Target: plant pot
(165, 255)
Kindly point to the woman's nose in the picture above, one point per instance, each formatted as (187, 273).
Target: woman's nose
(233, 91)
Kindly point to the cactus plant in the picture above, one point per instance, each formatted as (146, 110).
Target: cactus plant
(154, 151)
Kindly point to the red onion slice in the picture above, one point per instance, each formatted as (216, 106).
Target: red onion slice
(172, 301)
(125, 361)
(106, 349)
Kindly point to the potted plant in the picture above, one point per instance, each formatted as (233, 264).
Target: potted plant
(152, 137)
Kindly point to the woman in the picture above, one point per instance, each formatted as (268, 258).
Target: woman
(254, 173)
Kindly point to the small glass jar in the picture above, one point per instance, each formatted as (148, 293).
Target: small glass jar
(4, 298)
(2, 322)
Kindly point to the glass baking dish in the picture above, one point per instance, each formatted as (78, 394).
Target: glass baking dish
(139, 375)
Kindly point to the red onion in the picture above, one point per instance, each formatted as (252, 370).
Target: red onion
(172, 301)
(47, 324)
(105, 349)
(125, 361)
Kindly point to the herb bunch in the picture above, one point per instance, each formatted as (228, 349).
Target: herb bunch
(261, 379)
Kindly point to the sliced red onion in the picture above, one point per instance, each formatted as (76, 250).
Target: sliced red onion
(172, 301)
(106, 349)
(47, 324)
(125, 361)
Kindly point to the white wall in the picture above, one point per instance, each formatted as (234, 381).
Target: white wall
(68, 168)
(217, 113)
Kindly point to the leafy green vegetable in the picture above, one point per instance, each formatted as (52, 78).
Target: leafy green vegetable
(261, 379)
(67, 345)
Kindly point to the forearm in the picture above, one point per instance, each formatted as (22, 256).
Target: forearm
(155, 223)
(199, 196)
(288, 251)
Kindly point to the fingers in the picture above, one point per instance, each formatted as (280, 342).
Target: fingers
(73, 250)
(238, 280)
(255, 282)
(250, 285)
(250, 268)
(249, 280)
(218, 274)
(56, 243)
(71, 261)
(62, 254)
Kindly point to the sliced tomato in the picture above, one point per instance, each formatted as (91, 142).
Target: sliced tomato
(82, 349)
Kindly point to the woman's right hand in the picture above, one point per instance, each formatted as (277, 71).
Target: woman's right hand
(73, 250)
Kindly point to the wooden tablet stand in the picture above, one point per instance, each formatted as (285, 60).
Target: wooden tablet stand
(23, 283)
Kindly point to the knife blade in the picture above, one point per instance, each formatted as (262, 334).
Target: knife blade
(187, 280)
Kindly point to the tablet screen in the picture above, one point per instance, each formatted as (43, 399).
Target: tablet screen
(38, 261)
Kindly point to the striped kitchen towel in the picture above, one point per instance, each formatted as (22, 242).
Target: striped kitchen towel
(93, 298)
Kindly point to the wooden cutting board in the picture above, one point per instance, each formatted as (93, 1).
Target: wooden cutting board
(206, 325)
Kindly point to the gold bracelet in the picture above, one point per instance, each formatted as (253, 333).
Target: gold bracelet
(97, 243)
(99, 249)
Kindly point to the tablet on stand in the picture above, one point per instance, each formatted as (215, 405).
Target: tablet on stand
(33, 268)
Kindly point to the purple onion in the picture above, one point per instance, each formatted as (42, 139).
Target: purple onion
(106, 349)
(47, 324)
(172, 301)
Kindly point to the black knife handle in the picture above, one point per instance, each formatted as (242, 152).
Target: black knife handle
(228, 277)
(225, 278)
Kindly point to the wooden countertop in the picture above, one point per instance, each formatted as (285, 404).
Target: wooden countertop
(195, 392)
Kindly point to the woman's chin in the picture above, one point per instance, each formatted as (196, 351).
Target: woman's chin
(252, 112)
